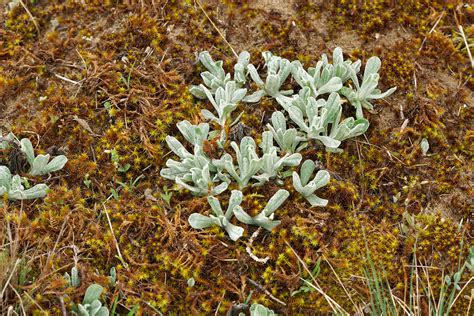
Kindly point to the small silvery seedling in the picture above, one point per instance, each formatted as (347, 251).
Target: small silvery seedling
(195, 134)
(260, 310)
(319, 80)
(12, 186)
(240, 68)
(272, 163)
(278, 70)
(40, 164)
(347, 128)
(112, 276)
(321, 120)
(306, 188)
(224, 102)
(366, 91)
(288, 139)
(425, 146)
(195, 171)
(91, 306)
(248, 162)
(265, 218)
(73, 279)
(316, 117)
(5, 141)
(220, 219)
(341, 68)
(215, 76)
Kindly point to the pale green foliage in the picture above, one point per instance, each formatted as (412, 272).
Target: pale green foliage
(248, 161)
(425, 146)
(12, 186)
(91, 306)
(220, 218)
(73, 279)
(307, 186)
(240, 68)
(215, 76)
(6, 140)
(260, 310)
(265, 218)
(314, 113)
(366, 91)
(40, 164)
(289, 140)
(194, 171)
(112, 276)
(272, 163)
(224, 102)
(278, 70)
(321, 119)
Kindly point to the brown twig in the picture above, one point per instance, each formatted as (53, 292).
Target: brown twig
(30, 15)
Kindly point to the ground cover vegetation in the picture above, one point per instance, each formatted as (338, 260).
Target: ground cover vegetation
(143, 205)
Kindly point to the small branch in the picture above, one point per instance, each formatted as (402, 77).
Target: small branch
(431, 31)
(257, 285)
(67, 79)
(249, 251)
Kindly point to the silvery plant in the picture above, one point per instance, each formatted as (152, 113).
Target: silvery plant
(278, 70)
(272, 162)
(13, 186)
(321, 120)
(326, 78)
(289, 140)
(41, 164)
(367, 90)
(248, 162)
(194, 171)
(91, 305)
(224, 102)
(306, 185)
(215, 76)
(264, 219)
(220, 218)
(313, 114)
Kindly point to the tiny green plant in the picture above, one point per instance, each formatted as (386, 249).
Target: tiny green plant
(73, 279)
(307, 186)
(91, 305)
(265, 218)
(41, 165)
(14, 189)
(220, 218)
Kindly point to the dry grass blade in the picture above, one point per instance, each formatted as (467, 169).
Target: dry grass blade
(217, 29)
(342, 285)
(119, 253)
(30, 15)
(334, 305)
(461, 30)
